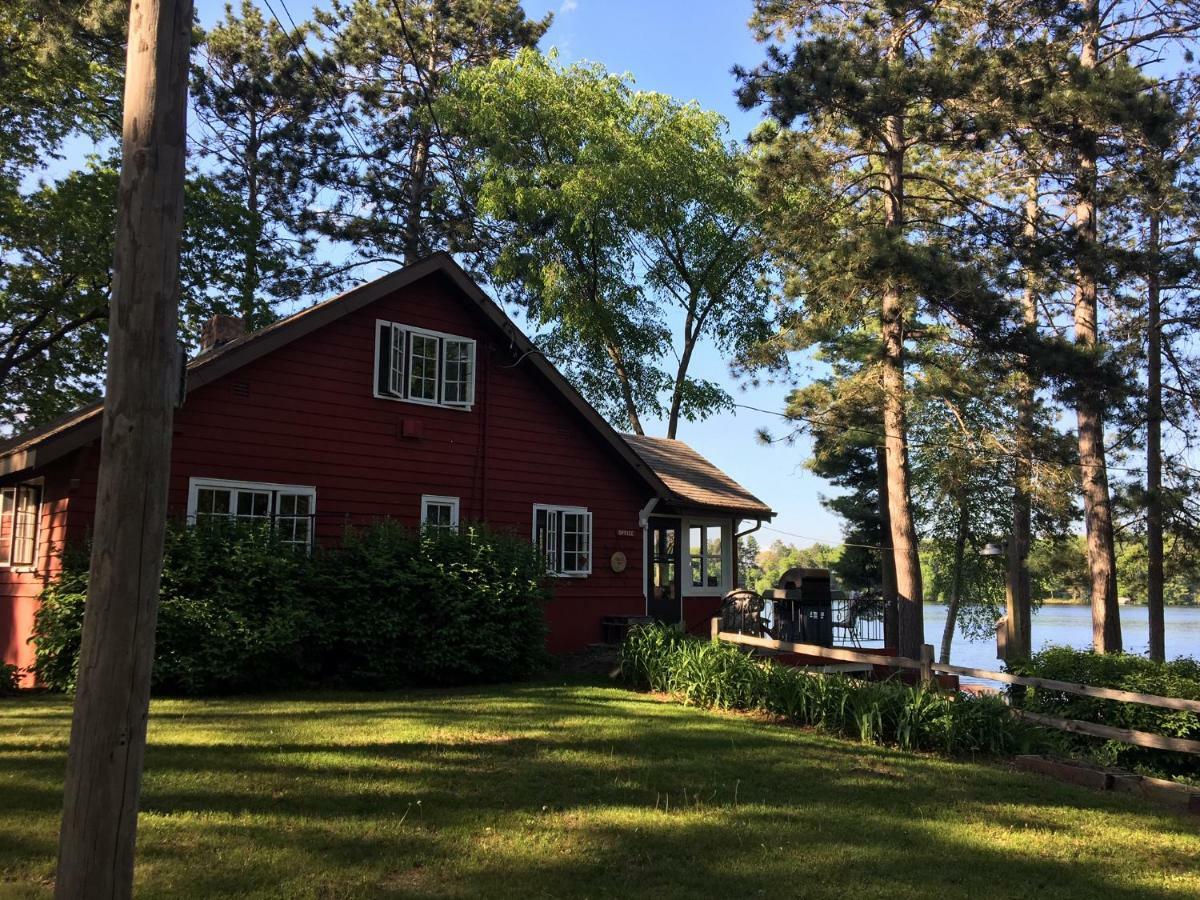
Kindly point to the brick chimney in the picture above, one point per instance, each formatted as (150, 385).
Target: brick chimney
(220, 330)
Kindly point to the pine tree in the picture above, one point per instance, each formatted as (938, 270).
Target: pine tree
(402, 196)
(266, 133)
(875, 95)
(1083, 100)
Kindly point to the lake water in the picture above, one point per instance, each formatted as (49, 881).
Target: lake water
(1072, 626)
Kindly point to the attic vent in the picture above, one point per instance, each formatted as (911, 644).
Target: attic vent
(241, 389)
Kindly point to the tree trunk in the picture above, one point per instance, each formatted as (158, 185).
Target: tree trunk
(904, 533)
(418, 171)
(250, 280)
(108, 731)
(956, 580)
(1019, 638)
(685, 361)
(1154, 503)
(631, 413)
(887, 561)
(1102, 558)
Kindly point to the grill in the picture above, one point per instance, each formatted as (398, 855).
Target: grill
(800, 607)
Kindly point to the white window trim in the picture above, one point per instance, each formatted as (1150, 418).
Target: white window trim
(195, 484)
(40, 484)
(726, 526)
(438, 500)
(549, 508)
(427, 332)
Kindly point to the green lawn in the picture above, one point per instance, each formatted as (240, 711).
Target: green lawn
(573, 790)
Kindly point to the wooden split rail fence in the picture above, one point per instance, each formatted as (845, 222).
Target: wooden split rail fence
(928, 668)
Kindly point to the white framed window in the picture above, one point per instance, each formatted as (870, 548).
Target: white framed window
(709, 556)
(563, 536)
(290, 508)
(458, 372)
(439, 513)
(423, 367)
(418, 365)
(20, 506)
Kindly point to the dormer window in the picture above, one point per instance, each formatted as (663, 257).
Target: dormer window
(422, 366)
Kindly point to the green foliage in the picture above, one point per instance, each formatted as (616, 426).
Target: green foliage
(616, 211)
(406, 166)
(433, 607)
(266, 133)
(1181, 570)
(10, 679)
(1058, 567)
(61, 72)
(779, 557)
(56, 253)
(240, 611)
(1178, 678)
(724, 676)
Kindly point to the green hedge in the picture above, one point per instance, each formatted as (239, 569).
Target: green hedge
(10, 678)
(1179, 678)
(240, 611)
(723, 675)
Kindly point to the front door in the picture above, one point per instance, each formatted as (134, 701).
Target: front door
(663, 587)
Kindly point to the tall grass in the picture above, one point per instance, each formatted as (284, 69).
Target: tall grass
(723, 676)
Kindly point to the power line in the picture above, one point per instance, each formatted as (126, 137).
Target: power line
(437, 127)
(337, 108)
(830, 543)
(793, 417)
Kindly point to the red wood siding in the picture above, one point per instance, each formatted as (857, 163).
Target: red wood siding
(305, 415)
(20, 587)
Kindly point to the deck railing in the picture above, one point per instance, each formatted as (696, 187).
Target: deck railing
(858, 621)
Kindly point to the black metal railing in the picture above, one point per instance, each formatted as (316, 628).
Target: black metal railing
(858, 620)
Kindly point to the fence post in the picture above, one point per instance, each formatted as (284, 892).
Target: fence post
(927, 665)
(716, 628)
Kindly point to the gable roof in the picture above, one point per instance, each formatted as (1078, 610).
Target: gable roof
(55, 439)
(694, 479)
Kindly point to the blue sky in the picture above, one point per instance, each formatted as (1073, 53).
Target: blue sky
(685, 48)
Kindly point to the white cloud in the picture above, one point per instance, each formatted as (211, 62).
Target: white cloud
(568, 6)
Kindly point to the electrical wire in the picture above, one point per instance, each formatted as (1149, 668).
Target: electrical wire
(337, 109)
(1001, 454)
(827, 542)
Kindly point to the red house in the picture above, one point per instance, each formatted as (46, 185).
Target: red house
(412, 397)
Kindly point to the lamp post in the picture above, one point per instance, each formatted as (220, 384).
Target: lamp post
(1009, 637)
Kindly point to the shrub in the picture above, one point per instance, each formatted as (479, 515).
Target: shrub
(241, 611)
(1179, 678)
(58, 622)
(457, 606)
(231, 614)
(10, 679)
(723, 675)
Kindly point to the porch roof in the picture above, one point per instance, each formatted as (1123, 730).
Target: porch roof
(694, 479)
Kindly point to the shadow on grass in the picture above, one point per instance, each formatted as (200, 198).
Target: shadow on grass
(575, 791)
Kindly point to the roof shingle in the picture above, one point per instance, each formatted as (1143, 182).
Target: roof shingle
(693, 478)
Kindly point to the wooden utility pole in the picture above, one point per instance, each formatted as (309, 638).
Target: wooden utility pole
(108, 732)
